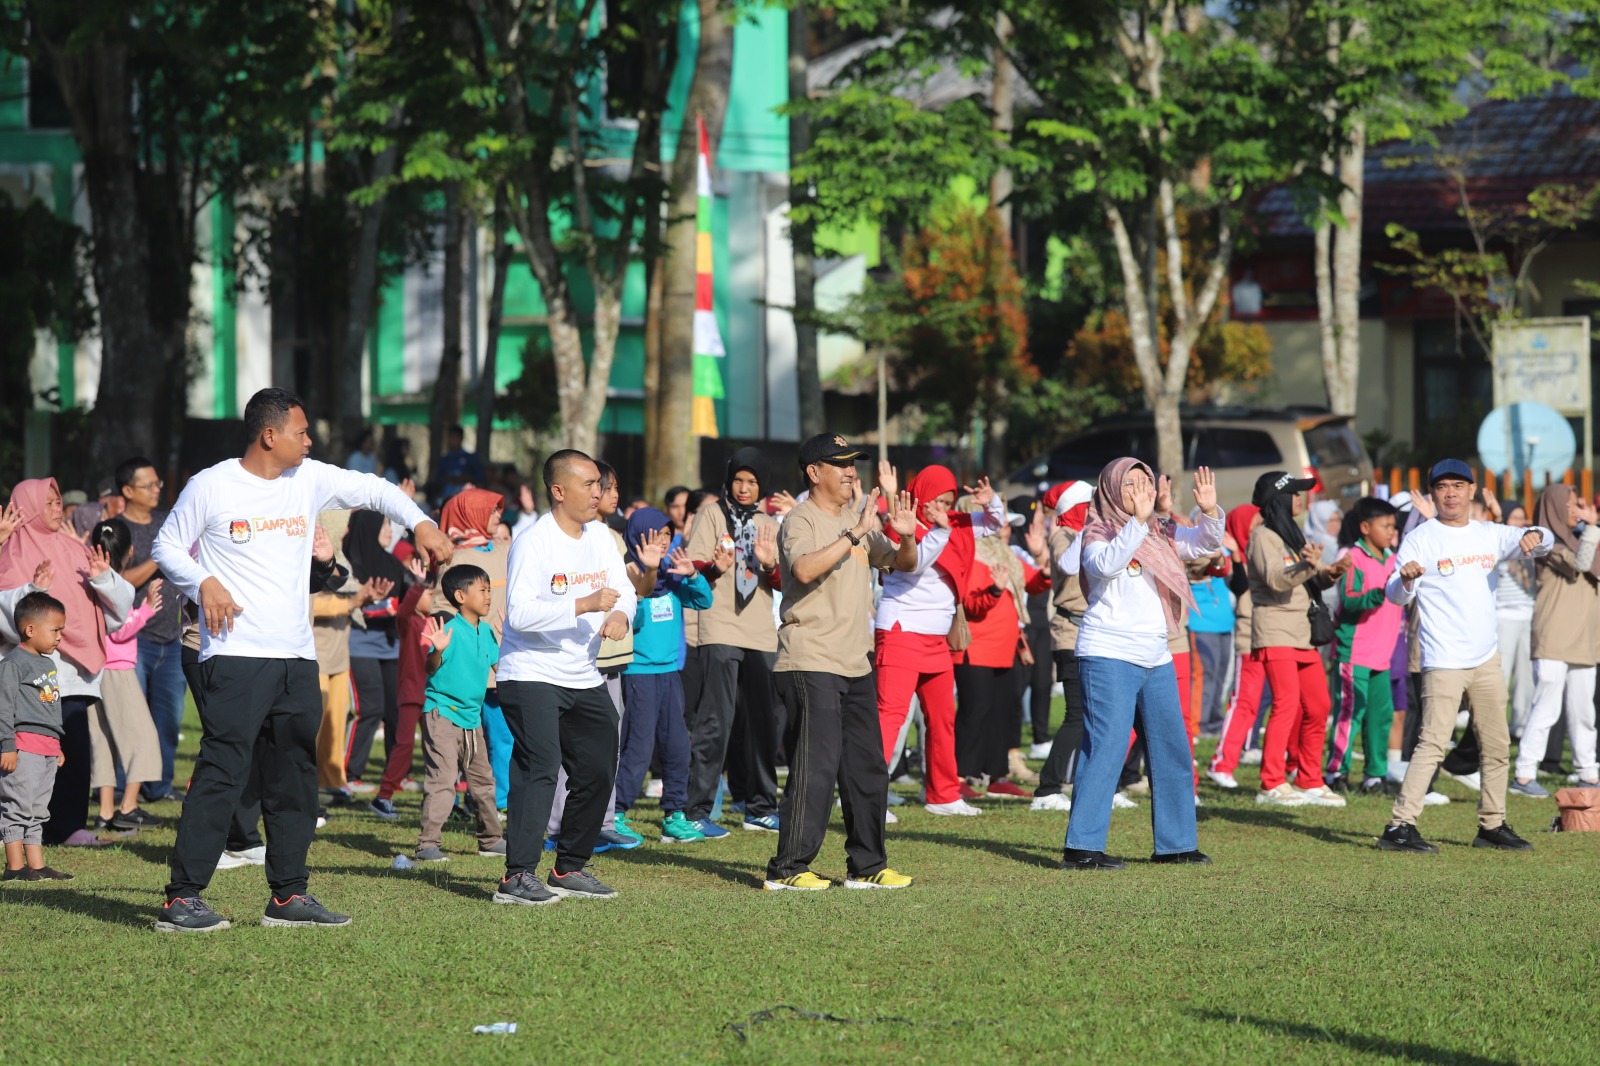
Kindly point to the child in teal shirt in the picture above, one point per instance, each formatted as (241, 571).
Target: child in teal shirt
(652, 687)
(462, 652)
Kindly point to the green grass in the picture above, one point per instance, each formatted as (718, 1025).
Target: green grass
(1302, 944)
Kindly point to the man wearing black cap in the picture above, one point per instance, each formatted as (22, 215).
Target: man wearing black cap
(826, 555)
(1447, 566)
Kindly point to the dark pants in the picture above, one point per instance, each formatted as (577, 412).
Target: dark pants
(1216, 654)
(554, 728)
(735, 704)
(985, 709)
(834, 739)
(377, 688)
(652, 724)
(1039, 679)
(261, 714)
(245, 832)
(1057, 771)
(69, 803)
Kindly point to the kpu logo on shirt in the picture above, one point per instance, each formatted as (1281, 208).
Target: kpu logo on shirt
(1447, 567)
(558, 585)
(1135, 568)
(1291, 561)
(239, 531)
(244, 530)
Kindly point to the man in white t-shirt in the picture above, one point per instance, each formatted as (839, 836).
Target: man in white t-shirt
(249, 522)
(1447, 565)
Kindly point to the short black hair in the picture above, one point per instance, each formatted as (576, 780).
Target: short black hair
(36, 607)
(696, 498)
(115, 538)
(673, 494)
(1363, 510)
(459, 579)
(268, 409)
(128, 468)
(557, 463)
(457, 430)
(608, 474)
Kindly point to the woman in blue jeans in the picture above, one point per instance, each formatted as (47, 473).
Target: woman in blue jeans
(1133, 577)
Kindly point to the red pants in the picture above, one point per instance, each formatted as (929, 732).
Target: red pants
(1298, 725)
(919, 663)
(399, 764)
(1242, 714)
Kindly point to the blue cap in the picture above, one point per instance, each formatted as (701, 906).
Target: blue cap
(1450, 468)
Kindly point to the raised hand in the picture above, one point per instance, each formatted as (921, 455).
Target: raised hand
(99, 562)
(1034, 540)
(418, 572)
(1164, 494)
(321, 544)
(525, 503)
(152, 595)
(938, 513)
(981, 493)
(723, 559)
(1424, 506)
(903, 515)
(650, 549)
(888, 479)
(1585, 510)
(682, 565)
(869, 515)
(374, 589)
(436, 635)
(766, 546)
(44, 575)
(409, 487)
(10, 519)
(1205, 491)
(1312, 553)
(781, 503)
(1492, 505)
(1144, 500)
(1531, 540)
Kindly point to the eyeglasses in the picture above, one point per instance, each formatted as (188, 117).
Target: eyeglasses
(149, 485)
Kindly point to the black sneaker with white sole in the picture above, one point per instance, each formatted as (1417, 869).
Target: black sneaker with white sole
(524, 889)
(384, 809)
(1405, 838)
(579, 884)
(301, 911)
(189, 915)
(138, 818)
(1077, 859)
(1501, 836)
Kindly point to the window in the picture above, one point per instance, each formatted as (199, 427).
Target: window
(1224, 447)
(1333, 444)
(1454, 388)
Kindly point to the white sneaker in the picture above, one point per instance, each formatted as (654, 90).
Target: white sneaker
(256, 856)
(360, 788)
(1323, 797)
(889, 818)
(1294, 775)
(1285, 795)
(1121, 802)
(1473, 780)
(1250, 757)
(230, 861)
(1039, 751)
(961, 807)
(1222, 780)
(1397, 770)
(1198, 802)
(1435, 799)
(410, 785)
(652, 788)
(1057, 802)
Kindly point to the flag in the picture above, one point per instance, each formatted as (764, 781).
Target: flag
(707, 338)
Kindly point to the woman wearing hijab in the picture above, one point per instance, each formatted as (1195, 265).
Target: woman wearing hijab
(98, 601)
(735, 545)
(914, 623)
(1136, 588)
(1281, 566)
(1563, 638)
(375, 649)
(1323, 520)
(987, 696)
(1070, 502)
(1250, 675)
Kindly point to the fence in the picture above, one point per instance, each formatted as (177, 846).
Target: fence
(1504, 486)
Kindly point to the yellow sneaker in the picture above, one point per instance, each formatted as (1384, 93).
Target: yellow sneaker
(884, 878)
(805, 881)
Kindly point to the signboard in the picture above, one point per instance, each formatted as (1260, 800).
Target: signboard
(1546, 360)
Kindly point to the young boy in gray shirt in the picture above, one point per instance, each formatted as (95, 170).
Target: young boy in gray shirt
(30, 737)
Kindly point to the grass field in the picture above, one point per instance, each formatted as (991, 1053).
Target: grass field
(1302, 944)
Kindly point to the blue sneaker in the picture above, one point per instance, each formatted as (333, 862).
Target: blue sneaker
(767, 823)
(710, 829)
(1529, 788)
(599, 845)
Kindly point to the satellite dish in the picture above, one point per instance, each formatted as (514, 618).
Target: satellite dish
(1540, 438)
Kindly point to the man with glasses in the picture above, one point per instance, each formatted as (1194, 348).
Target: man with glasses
(160, 665)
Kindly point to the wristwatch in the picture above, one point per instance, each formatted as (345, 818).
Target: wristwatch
(851, 537)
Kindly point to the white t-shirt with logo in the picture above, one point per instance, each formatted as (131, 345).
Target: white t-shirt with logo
(1455, 596)
(547, 573)
(1125, 619)
(254, 535)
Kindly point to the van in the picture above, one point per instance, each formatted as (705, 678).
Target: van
(1239, 444)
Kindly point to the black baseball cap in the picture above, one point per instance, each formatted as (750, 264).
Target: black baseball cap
(1274, 482)
(1450, 468)
(828, 448)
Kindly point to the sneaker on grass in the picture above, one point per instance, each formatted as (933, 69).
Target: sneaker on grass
(497, 850)
(1222, 780)
(709, 829)
(1121, 802)
(767, 823)
(432, 854)
(1531, 789)
(959, 807)
(1250, 757)
(1435, 799)
(889, 818)
(884, 878)
(804, 881)
(1285, 795)
(677, 829)
(1372, 786)
(579, 884)
(1323, 797)
(359, 788)
(384, 809)
(256, 856)
(523, 889)
(620, 835)
(230, 860)
(1473, 780)
(1405, 838)
(301, 912)
(1005, 788)
(1056, 801)
(137, 818)
(1501, 836)
(1040, 751)
(189, 915)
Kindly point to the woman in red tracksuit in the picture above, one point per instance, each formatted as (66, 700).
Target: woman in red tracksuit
(1251, 672)
(998, 588)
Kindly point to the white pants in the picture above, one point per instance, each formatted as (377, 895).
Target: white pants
(1557, 683)
(1516, 629)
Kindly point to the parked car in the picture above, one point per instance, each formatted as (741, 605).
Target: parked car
(1238, 443)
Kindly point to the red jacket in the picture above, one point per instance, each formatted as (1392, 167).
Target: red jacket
(993, 619)
(413, 653)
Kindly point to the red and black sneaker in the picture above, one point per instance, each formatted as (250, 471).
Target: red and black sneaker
(300, 911)
(189, 915)
(970, 793)
(1005, 788)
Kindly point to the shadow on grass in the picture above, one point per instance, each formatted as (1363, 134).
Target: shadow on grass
(434, 875)
(147, 851)
(107, 909)
(1366, 1044)
(366, 843)
(1050, 858)
(746, 875)
(1274, 819)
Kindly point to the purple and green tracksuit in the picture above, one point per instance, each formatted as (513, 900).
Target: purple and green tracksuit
(1364, 646)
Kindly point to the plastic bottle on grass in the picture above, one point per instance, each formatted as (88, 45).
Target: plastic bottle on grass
(497, 1029)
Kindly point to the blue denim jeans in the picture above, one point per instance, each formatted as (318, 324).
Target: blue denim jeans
(160, 673)
(1112, 691)
(497, 739)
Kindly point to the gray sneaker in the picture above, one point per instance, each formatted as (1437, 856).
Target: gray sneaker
(524, 889)
(579, 884)
(497, 850)
(300, 912)
(188, 915)
(432, 855)
(1529, 788)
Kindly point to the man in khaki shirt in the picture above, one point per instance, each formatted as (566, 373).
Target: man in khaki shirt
(826, 555)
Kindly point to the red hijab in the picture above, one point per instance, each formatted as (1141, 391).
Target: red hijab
(465, 518)
(955, 561)
(1156, 552)
(32, 543)
(1077, 513)
(1238, 524)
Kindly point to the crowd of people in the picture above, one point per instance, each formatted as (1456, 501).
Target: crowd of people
(562, 666)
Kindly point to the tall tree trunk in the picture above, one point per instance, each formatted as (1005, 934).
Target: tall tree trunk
(491, 336)
(808, 371)
(1347, 267)
(444, 409)
(1327, 339)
